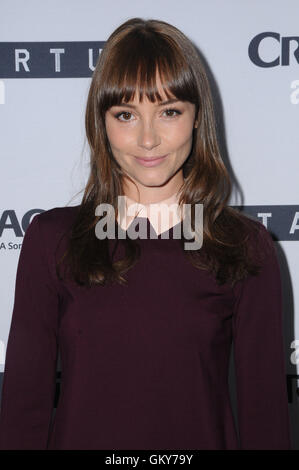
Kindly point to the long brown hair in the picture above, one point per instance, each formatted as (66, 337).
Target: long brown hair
(132, 55)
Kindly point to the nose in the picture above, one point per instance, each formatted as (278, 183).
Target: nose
(148, 136)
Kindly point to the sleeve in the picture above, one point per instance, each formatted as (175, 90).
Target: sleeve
(261, 389)
(29, 379)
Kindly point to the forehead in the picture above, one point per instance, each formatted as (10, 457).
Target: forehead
(145, 100)
(140, 95)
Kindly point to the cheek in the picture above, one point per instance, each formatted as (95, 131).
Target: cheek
(179, 135)
(116, 135)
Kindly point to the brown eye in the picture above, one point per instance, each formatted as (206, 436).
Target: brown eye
(120, 114)
(171, 110)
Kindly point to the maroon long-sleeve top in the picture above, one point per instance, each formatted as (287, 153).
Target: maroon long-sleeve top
(144, 366)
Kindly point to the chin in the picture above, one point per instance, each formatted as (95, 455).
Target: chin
(153, 180)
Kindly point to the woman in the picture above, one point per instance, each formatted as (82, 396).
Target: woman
(144, 327)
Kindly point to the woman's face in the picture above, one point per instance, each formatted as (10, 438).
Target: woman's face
(151, 130)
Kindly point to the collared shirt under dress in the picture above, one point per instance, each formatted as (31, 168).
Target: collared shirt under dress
(144, 366)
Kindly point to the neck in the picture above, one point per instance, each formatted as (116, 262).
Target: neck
(153, 194)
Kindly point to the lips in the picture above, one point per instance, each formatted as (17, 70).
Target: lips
(151, 158)
(150, 161)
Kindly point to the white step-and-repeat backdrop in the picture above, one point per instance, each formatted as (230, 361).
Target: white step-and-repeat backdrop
(48, 50)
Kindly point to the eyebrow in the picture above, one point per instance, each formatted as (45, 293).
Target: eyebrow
(159, 104)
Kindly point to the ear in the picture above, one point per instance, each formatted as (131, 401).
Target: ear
(196, 124)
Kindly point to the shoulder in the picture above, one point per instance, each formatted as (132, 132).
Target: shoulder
(260, 242)
(256, 236)
(261, 252)
(58, 215)
(52, 226)
(57, 219)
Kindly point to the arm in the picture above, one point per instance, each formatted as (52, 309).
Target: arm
(259, 356)
(30, 363)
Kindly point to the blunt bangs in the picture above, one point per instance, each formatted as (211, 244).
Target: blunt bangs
(135, 65)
